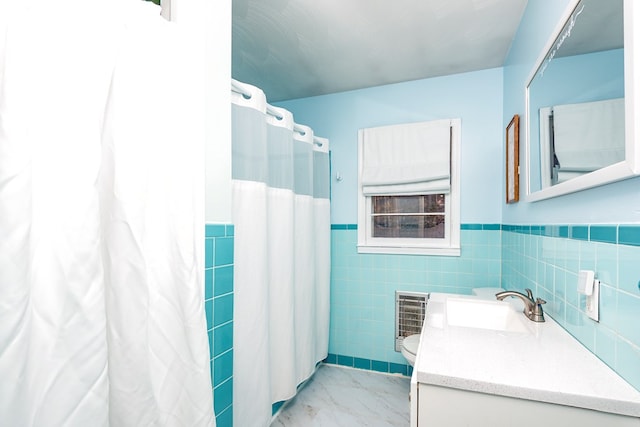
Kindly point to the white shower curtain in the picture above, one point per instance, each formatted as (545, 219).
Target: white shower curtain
(101, 219)
(280, 252)
(322, 256)
(282, 229)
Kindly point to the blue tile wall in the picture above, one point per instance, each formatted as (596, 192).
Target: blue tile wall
(219, 311)
(543, 257)
(546, 258)
(629, 235)
(369, 365)
(363, 290)
(549, 263)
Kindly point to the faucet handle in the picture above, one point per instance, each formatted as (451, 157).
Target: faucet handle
(537, 314)
(529, 293)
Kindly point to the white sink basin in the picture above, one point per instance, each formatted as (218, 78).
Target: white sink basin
(485, 314)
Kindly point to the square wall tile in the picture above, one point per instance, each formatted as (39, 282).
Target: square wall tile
(579, 232)
(629, 269)
(397, 368)
(571, 255)
(627, 362)
(225, 418)
(223, 396)
(362, 363)
(210, 336)
(607, 263)
(223, 280)
(563, 231)
(345, 360)
(222, 368)
(606, 346)
(587, 256)
(214, 230)
(608, 307)
(629, 235)
(628, 311)
(208, 309)
(222, 309)
(208, 283)
(603, 233)
(331, 358)
(380, 366)
(208, 253)
(222, 338)
(580, 326)
(223, 251)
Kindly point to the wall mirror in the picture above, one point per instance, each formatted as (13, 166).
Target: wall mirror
(580, 101)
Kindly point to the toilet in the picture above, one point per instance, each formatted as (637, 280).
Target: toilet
(410, 348)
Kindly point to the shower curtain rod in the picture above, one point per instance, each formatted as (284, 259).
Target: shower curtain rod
(238, 88)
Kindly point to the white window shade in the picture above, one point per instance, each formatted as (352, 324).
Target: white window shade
(590, 135)
(407, 159)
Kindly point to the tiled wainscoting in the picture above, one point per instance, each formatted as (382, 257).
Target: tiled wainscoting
(219, 309)
(369, 365)
(547, 258)
(363, 289)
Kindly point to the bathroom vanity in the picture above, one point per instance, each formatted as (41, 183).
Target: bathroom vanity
(483, 363)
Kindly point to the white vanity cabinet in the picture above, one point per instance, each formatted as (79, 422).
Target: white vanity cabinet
(443, 406)
(467, 376)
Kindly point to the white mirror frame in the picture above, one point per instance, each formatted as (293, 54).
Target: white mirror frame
(628, 168)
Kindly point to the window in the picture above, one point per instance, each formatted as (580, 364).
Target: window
(408, 189)
(415, 217)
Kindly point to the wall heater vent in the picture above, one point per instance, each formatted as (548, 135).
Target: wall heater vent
(410, 310)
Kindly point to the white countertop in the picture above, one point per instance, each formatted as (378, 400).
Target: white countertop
(546, 365)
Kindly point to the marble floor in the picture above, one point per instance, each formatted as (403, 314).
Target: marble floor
(337, 396)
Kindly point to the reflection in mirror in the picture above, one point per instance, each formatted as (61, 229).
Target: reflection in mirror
(576, 98)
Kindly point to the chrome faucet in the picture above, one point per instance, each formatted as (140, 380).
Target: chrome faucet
(532, 308)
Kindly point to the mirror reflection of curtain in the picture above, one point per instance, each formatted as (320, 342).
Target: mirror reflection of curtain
(581, 138)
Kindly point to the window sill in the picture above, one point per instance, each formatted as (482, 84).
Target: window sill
(408, 250)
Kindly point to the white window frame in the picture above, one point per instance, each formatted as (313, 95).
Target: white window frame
(449, 246)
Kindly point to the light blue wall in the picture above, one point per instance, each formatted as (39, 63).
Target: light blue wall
(475, 97)
(363, 285)
(363, 289)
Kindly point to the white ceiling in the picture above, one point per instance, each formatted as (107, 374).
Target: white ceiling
(299, 48)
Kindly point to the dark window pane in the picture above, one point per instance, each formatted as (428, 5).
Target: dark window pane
(409, 226)
(432, 203)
